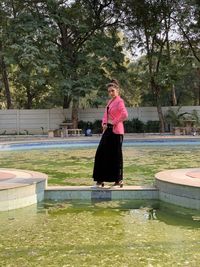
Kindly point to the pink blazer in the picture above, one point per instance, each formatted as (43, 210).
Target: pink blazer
(117, 113)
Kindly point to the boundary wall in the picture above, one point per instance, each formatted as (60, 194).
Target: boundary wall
(39, 121)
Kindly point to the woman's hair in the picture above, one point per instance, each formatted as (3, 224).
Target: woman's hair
(113, 83)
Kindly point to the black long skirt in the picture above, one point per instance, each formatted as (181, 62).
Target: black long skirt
(108, 165)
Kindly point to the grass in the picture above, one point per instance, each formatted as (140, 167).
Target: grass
(74, 167)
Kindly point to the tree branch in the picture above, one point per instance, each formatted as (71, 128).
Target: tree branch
(188, 39)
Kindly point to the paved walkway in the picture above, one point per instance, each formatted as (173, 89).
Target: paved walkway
(44, 138)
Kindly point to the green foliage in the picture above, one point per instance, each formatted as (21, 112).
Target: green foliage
(82, 125)
(51, 55)
(195, 117)
(134, 126)
(152, 127)
(137, 126)
(174, 117)
(56, 52)
(97, 127)
(131, 126)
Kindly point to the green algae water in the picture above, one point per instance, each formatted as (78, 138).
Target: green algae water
(109, 233)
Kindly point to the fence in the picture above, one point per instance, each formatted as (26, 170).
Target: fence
(39, 121)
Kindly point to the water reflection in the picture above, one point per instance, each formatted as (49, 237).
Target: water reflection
(151, 210)
(178, 216)
(100, 233)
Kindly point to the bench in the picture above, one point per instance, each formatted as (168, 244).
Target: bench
(179, 130)
(64, 132)
(74, 131)
(54, 133)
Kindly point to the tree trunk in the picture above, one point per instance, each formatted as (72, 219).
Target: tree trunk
(198, 73)
(66, 101)
(198, 104)
(29, 99)
(173, 96)
(161, 118)
(167, 29)
(156, 90)
(75, 113)
(6, 83)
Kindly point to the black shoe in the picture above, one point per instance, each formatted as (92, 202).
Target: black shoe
(99, 184)
(120, 184)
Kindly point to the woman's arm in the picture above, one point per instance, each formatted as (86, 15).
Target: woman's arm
(123, 114)
(105, 117)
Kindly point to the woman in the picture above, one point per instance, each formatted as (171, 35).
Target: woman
(108, 166)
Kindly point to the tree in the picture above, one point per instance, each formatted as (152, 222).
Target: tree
(77, 23)
(147, 24)
(4, 18)
(187, 21)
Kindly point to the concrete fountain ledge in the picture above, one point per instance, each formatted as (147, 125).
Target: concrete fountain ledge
(107, 193)
(21, 188)
(180, 187)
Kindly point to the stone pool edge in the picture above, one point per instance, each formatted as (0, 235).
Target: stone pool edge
(90, 193)
(21, 188)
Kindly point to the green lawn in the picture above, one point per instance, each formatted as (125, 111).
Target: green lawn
(74, 167)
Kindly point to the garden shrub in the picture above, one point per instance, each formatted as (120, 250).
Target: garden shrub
(134, 126)
(131, 126)
(152, 127)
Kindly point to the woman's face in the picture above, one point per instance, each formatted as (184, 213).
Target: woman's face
(113, 92)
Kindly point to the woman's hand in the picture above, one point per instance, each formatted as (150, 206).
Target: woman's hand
(104, 127)
(110, 121)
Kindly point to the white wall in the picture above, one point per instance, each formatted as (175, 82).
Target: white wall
(17, 121)
(34, 121)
